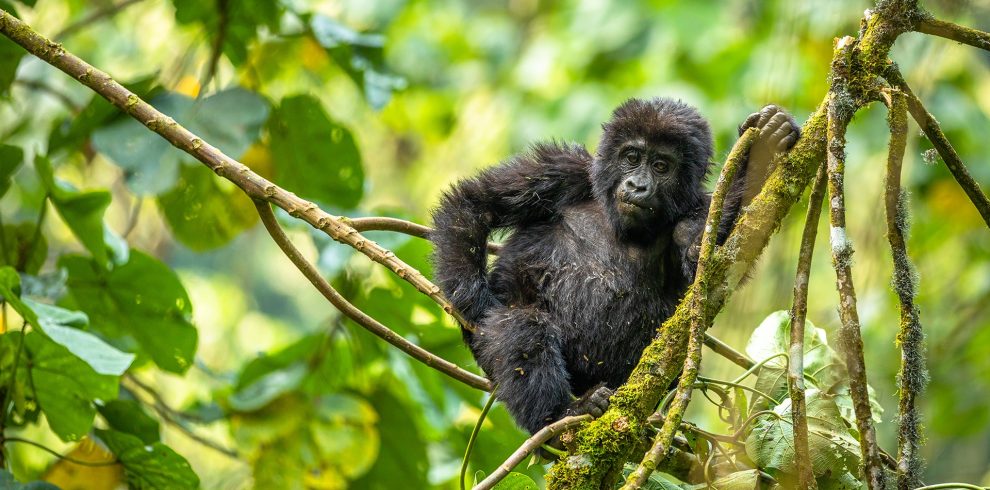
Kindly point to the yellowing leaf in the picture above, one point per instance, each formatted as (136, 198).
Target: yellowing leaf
(72, 476)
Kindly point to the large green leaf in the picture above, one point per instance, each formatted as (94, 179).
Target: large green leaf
(770, 443)
(152, 466)
(142, 301)
(73, 131)
(65, 387)
(63, 327)
(203, 213)
(82, 212)
(402, 460)
(315, 156)
(128, 416)
(267, 388)
(516, 481)
(230, 120)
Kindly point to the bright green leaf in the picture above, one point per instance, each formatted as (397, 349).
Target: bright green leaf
(152, 466)
(267, 388)
(24, 249)
(142, 300)
(315, 157)
(516, 481)
(202, 213)
(62, 326)
(65, 387)
(128, 416)
(82, 212)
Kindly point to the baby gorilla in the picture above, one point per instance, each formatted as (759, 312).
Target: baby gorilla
(602, 249)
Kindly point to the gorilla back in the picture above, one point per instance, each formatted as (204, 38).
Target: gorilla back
(601, 251)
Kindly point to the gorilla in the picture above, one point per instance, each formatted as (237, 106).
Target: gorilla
(601, 250)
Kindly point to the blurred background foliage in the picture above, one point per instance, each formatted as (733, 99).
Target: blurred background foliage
(373, 108)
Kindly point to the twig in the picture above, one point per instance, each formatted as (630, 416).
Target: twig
(474, 436)
(934, 133)
(952, 485)
(173, 416)
(799, 311)
(384, 223)
(252, 184)
(527, 447)
(699, 321)
(223, 21)
(849, 334)
(955, 32)
(97, 15)
(354, 313)
(58, 94)
(59, 455)
(913, 375)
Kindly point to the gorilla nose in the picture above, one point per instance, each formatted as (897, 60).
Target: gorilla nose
(635, 187)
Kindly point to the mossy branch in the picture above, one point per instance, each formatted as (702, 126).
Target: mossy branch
(934, 133)
(955, 32)
(913, 374)
(840, 110)
(799, 311)
(692, 362)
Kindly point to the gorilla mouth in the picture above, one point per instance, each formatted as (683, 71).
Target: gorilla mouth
(627, 205)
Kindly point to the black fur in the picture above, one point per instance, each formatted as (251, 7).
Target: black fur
(580, 286)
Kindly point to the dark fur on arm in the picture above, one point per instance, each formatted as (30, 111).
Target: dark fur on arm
(528, 188)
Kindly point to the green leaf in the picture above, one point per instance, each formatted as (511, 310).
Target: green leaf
(739, 480)
(315, 157)
(10, 57)
(152, 466)
(770, 443)
(516, 481)
(65, 386)
(63, 327)
(267, 388)
(360, 55)
(142, 301)
(128, 416)
(402, 461)
(243, 22)
(82, 212)
(24, 248)
(202, 213)
(7, 482)
(11, 158)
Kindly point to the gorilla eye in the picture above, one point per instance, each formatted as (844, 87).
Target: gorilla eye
(660, 166)
(632, 156)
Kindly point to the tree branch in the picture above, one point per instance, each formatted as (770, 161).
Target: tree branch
(840, 111)
(955, 32)
(251, 183)
(692, 362)
(527, 447)
(354, 313)
(913, 375)
(799, 311)
(934, 133)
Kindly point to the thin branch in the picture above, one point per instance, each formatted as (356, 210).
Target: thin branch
(850, 336)
(474, 437)
(799, 311)
(692, 363)
(95, 16)
(174, 417)
(354, 313)
(913, 375)
(955, 32)
(40, 86)
(248, 181)
(223, 23)
(527, 447)
(59, 455)
(934, 133)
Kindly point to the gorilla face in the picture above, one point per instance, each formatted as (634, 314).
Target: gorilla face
(650, 163)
